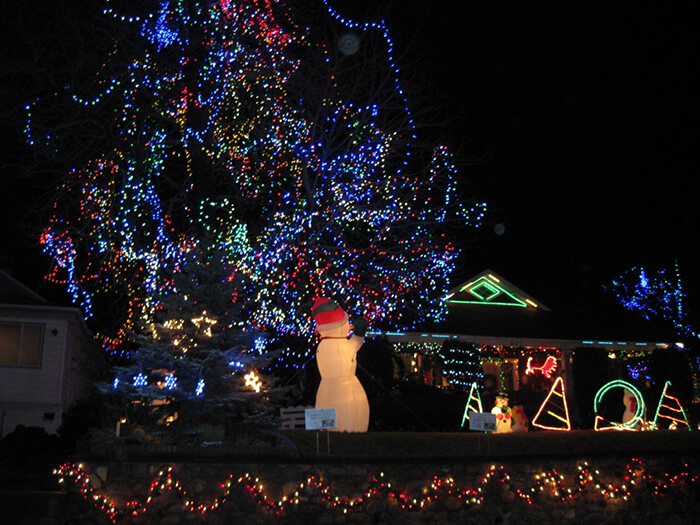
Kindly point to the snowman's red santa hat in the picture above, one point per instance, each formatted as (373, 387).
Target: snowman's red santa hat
(326, 311)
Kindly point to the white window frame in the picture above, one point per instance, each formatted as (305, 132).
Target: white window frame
(22, 327)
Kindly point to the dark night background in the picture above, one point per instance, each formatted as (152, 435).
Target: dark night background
(578, 124)
(591, 118)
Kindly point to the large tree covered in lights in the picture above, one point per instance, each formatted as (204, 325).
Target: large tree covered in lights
(285, 137)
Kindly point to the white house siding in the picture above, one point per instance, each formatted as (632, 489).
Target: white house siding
(74, 380)
(36, 385)
(39, 396)
(46, 416)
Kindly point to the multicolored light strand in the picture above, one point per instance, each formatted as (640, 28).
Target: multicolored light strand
(547, 485)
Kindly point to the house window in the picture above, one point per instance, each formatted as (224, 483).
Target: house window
(21, 344)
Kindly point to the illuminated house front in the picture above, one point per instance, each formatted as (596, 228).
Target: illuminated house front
(500, 337)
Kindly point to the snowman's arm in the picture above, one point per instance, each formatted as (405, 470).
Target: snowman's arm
(356, 342)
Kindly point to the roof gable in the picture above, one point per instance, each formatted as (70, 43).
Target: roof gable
(14, 292)
(490, 289)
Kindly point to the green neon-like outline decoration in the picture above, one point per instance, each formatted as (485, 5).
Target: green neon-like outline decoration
(488, 282)
(661, 401)
(473, 390)
(639, 412)
(493, 291)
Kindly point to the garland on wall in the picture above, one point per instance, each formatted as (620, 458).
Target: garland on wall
(547, 485)
(462, 361)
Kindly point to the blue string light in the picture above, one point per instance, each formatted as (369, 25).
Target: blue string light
(656, 295)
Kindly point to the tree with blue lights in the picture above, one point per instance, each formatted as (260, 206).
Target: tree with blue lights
(293, 148)
(659, 296)
(194, 363)
(656, 295)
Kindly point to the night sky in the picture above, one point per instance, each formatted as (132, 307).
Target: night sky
(583, 123)
(577, 123)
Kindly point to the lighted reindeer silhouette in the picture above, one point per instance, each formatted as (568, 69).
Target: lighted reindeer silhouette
(547, 369)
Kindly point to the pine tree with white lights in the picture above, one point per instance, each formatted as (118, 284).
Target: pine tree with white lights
(194, 363)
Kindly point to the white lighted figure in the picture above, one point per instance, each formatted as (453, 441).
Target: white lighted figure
(520, 421)
(628, 418)
(504, 415)
(336, 358)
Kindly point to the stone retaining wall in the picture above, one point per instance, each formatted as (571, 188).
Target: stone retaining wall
(603, 490)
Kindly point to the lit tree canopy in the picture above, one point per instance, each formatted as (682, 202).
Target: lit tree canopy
(291, 147)
(656, 295)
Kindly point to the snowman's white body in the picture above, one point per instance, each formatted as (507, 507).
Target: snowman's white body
(630, 410)
(340, 388)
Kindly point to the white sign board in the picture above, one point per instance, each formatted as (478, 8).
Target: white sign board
(320, 418)
(486, 422)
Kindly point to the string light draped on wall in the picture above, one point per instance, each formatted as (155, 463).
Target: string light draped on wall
(297, 155)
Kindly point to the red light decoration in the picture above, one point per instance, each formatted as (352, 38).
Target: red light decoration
(546, 369)
(585, 483)
(670, 408)
(554, 412)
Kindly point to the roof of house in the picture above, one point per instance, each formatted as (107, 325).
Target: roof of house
(17, 300)
(14, 292)
(490, 309)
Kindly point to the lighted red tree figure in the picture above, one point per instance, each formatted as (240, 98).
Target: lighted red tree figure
(554, 411)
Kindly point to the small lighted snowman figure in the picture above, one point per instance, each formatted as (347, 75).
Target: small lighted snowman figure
(504, 415)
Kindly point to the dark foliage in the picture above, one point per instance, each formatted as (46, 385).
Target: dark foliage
(417, 407)
(375, 367)
(80, 418)
(591, 370)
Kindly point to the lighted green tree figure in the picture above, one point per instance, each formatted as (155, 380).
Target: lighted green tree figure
(670, 410)
(473, 403)
(310, 147)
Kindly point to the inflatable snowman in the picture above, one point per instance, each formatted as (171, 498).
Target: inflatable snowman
(336, 358)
